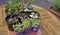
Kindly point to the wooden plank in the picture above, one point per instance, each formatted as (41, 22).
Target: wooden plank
(3, 26)
(1, 19)
(51, 24)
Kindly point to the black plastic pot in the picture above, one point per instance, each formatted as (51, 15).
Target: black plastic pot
(23, 14)
(27, 12)
(10, 23)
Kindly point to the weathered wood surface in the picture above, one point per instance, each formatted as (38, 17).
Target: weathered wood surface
(3, 26)
(50, 23)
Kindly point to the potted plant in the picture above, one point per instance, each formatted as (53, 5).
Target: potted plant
(12, 7)
(27, 25)
(55, 8)
(18, 28)
(10, 22)
(28, 8)
(36, 25)
(11, 10)
(8, 8)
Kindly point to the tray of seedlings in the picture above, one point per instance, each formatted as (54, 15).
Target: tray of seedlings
(21, 17)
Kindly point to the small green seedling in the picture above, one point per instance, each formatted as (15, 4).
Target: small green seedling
(18, 27)
(26, 23)
(35, 22)
(13, 6)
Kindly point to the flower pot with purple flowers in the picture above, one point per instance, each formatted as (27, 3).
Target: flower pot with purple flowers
(36, 25)
(18, 28)
(27, 25)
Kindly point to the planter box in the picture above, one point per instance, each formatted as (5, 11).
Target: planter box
(54, 12)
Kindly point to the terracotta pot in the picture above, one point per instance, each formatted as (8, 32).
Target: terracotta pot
(54, 12)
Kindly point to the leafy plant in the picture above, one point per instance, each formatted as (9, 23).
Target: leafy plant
(26, 22)
(35, 22)
(18, 27)
(9, 6)
(13, 6)
(28, 6)
(56, 5)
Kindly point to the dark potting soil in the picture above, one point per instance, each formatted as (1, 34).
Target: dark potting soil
(10, 23)
(29, 13)
(55, 10)
(24, 14)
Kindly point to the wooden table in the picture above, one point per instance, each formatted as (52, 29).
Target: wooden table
(50, 23)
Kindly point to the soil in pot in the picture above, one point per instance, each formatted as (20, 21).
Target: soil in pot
(32, 14)
(27, 13)
(22, 15)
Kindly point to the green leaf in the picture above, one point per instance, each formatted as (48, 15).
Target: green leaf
(36, 22)
(56, 4)
(18, 27)
(26, 23)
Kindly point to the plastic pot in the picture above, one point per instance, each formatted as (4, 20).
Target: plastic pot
(19, 33)
(27, 30)
(35, 28)
(10, 24)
